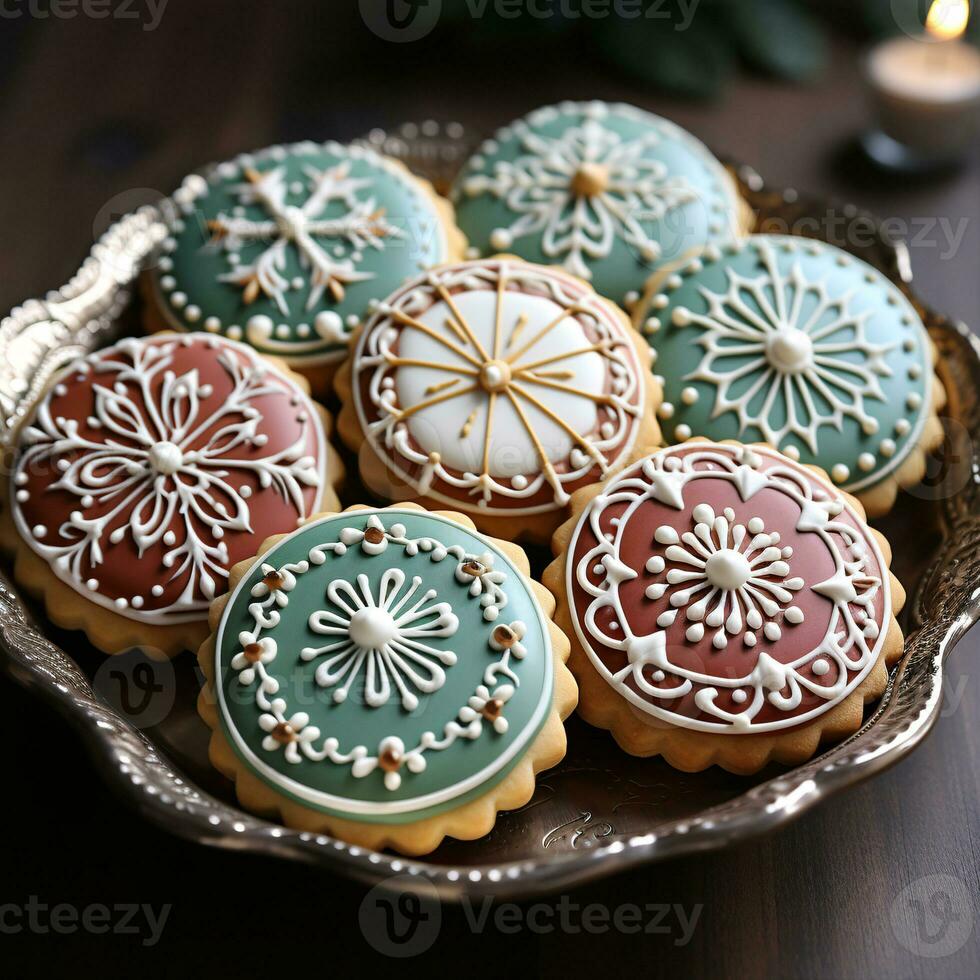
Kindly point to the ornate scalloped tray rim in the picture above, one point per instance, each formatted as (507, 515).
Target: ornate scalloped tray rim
(132, 766)
(76, 318)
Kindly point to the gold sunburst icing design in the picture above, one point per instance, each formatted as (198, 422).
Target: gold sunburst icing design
(498, 384)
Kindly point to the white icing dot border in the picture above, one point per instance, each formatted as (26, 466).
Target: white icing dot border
(166, 291)
(346, 806)
(662, 477)
(921, 405)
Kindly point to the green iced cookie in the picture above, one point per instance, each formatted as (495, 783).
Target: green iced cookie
(383, 666)
(287, 247)
(795, 343)
(608, 191)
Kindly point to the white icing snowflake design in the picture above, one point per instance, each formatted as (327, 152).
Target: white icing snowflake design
(583, 190)
(734, 578)
(167, 455)
(784, 356)
(383, 635)
(302, 228)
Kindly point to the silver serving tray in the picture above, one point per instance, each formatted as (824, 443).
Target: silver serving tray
(600, 811)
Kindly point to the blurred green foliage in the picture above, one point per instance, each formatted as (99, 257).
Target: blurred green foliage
(779, 38)
(688, 48)
(684, 47)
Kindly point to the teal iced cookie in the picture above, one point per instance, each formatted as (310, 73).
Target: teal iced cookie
(795, 343)
(606, 190)
(383, 666)
(286, 248)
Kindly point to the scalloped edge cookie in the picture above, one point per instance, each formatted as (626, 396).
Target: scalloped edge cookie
(877, 500)
(739, 217)
(467, 822)
(319, 370)
(693, 751)
(111, 632)
(530, 529)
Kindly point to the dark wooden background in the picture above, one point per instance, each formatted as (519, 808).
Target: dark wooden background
(97, 116)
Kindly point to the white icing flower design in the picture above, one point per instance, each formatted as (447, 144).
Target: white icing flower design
(291, 734)
(505, 639)
(484, 581)
(255, 650)
(390, 758)
(508, 636)
(303, 228)
(734, 578)
(784, 356)
(382, 635)
(488, 706)
(373, 537)
(581, 191)
(275, 582)
(168, 456)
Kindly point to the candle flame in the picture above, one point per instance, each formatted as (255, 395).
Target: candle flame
(947, 19)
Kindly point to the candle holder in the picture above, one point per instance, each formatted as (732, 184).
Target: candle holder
(925, 90)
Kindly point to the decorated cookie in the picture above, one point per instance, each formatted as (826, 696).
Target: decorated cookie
(387, 676)
(150, 468)
(726, 605)
(801, 345)
(608, 191)
(497, 387)
(287, 247)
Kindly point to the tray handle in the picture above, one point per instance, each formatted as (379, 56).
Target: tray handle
(40, 336)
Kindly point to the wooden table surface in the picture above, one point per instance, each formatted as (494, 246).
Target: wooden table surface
(97, 116)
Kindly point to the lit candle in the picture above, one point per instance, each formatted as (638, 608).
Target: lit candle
(927, 89)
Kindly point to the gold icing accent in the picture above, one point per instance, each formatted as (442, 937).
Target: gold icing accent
(499, 373)
(467, 425)
(590, 180)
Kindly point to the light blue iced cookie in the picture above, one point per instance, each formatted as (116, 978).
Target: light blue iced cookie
(606, 190)
(798, 344)
(384, 667)
(286, 248)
